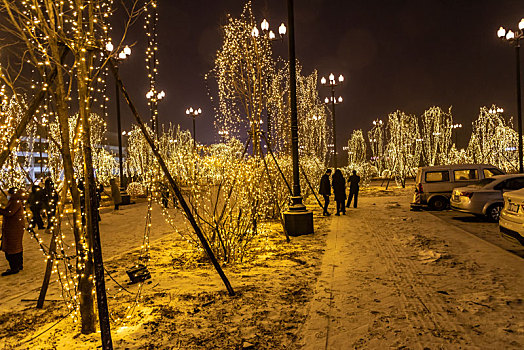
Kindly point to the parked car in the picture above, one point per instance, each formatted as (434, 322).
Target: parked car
(511, 223)
(485, 197)
(434, 184)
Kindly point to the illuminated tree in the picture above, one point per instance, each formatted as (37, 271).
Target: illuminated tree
(403, 150)
(493, 140)
(435, 136)
(243, 67)
(378, 142)
(357, 149)
(63, 43)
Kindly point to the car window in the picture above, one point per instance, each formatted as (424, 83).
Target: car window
(466, 174)
(483, 182)
(492, 172)
(437, 176)
(514, 184)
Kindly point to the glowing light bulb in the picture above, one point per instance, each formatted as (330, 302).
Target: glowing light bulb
(264, 25)
(282, 30)
(501, 33)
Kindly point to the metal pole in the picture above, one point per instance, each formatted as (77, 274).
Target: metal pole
(119, 125)
(519, 105)
(194, 132)
(297, 220)
(297, 200)
(334, 128)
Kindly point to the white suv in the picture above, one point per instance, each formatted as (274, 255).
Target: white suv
(434, 184)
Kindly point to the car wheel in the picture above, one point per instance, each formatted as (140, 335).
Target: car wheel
(438, 203)
(493, 212)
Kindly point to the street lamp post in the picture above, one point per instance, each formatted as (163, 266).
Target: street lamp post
(332, 83)
(194, 113)
(126, 51)
(513, 38)
(297, 220)
(453, 128)
(271, 36)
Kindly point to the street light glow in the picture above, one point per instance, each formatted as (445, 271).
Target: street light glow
(264, 25)
(282, 29)
(255, 32)
(340, 78)
(109, 46)
(127, 50)
(510, 35)
(323, 80)
(521, 24)
(122, 55)
(501, 33)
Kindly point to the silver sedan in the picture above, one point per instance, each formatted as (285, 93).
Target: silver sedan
(485, 197)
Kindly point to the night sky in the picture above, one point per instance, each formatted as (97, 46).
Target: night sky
(395, 54)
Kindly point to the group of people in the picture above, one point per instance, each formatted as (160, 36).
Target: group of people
(339, 189)
(40, 201)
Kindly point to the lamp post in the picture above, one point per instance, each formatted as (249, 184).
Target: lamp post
(297, 220)
(332, 83)
(126, 51)
(194, 113)
(271, 36)
(513, 38)
(154, 96)
(223, 135)
(453, 128)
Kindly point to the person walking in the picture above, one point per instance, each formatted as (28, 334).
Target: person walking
(354, 181)
(13, 231)
(50, 202)
(325, 190)
(36, 202)
(339, 189)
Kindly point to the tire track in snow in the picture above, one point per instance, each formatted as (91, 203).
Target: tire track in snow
(428, 308)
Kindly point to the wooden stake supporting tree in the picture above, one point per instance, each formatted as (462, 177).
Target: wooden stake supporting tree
(172, 183)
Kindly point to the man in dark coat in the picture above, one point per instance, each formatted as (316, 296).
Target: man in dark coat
(13, 231)
(325, 190)
(353, 180)
(339, 189)
(36, 202)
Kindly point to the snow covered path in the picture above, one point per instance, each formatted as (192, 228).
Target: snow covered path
(121, 231)
(395, 278)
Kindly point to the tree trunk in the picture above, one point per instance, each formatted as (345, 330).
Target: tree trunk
(83, 264)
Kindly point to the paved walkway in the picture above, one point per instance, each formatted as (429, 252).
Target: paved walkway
(391, 278)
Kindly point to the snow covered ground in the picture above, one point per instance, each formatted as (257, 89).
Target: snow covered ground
(379, 277)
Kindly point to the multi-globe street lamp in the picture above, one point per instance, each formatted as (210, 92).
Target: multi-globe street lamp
(454, 127)
(194, 112)
(513, 38)
(154, 97)
(332, 83)
(269, 35)
(223, 135)
(122, 55)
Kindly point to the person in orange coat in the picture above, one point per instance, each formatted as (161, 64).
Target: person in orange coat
(13, 227)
